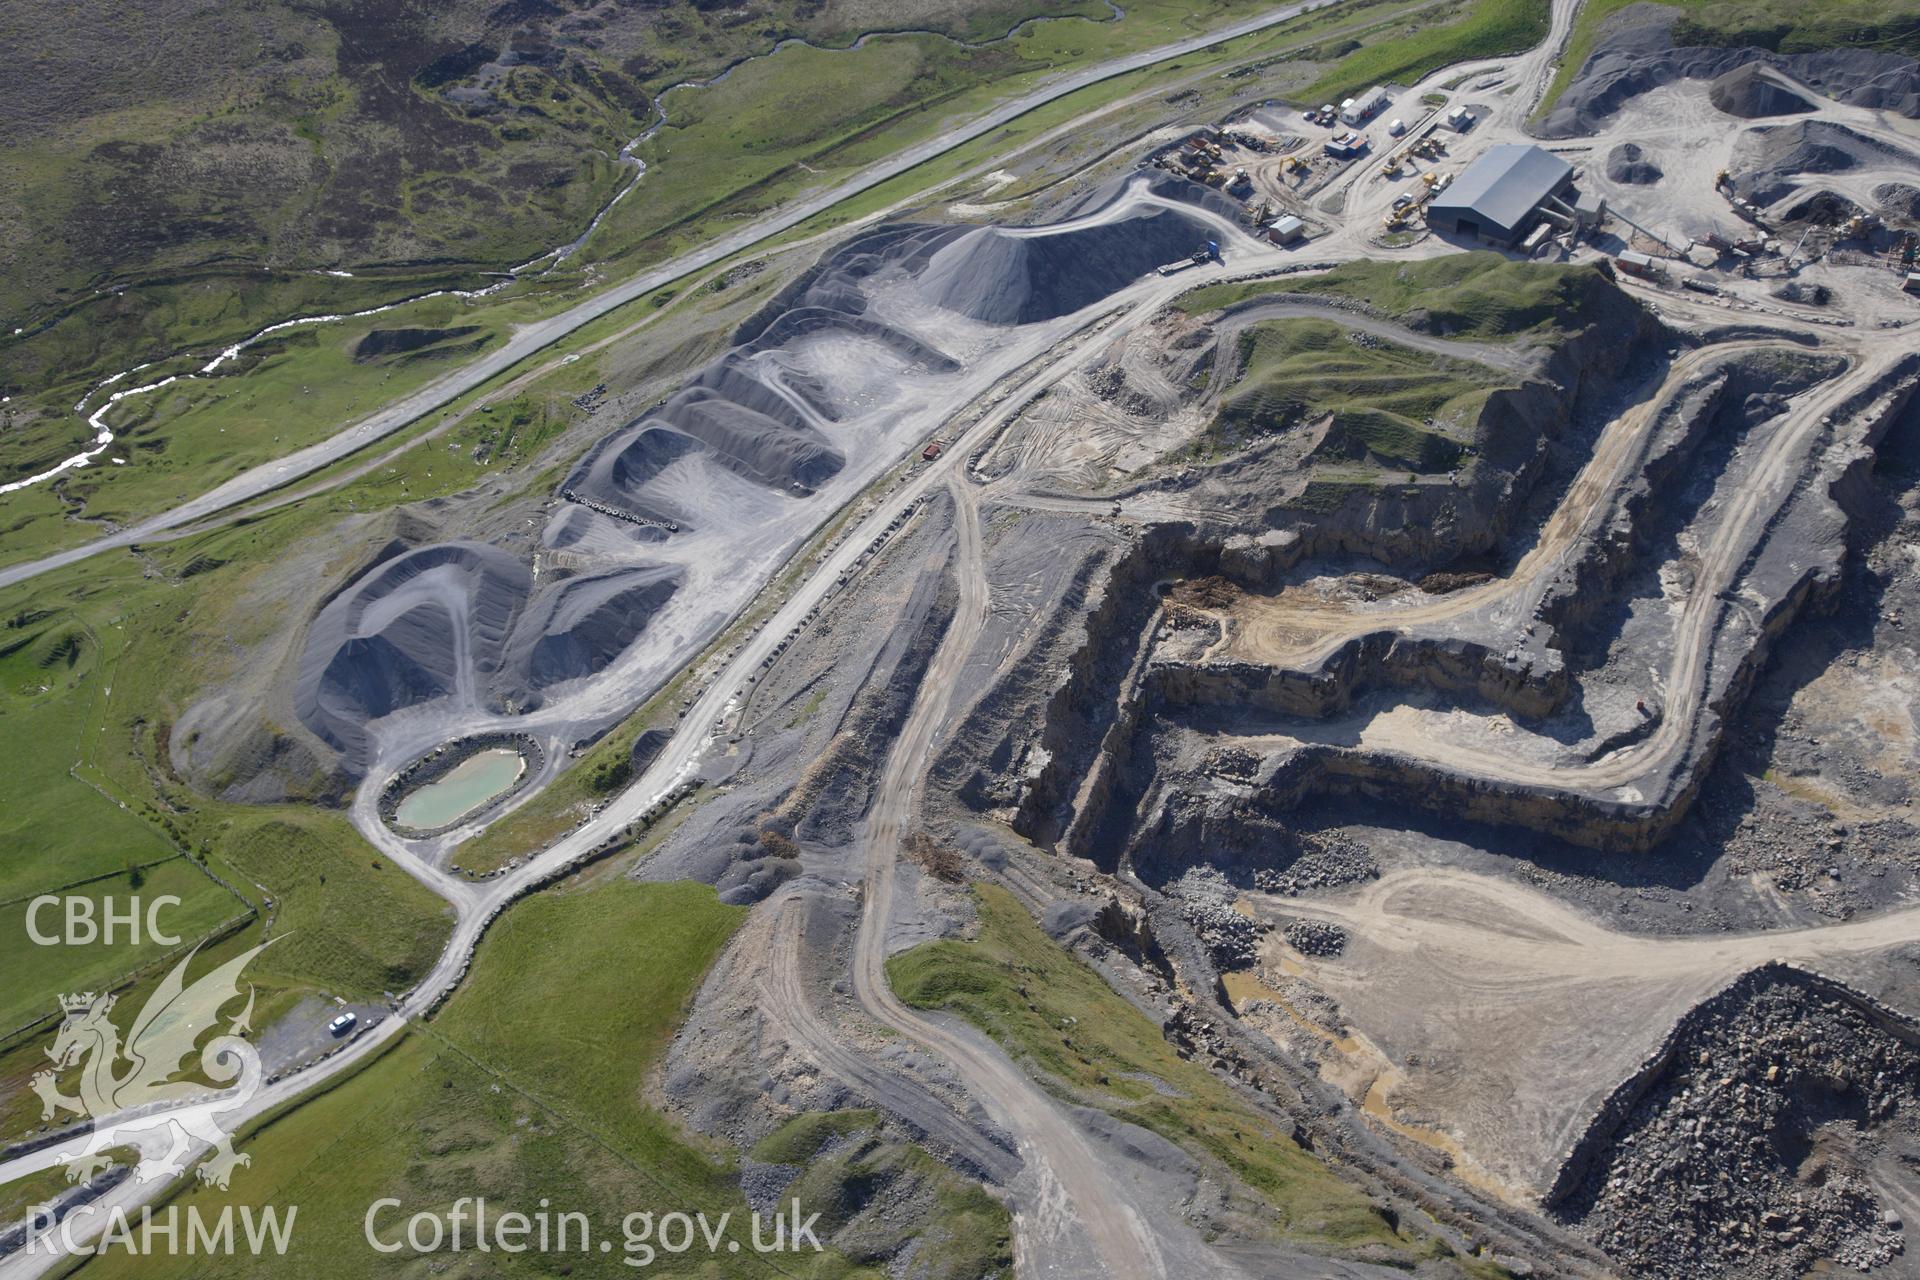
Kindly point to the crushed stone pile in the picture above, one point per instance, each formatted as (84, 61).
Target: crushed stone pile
(1898, 202)
(1327, 860)
(1822, 208)
(1204, 898)
(462, 618)
(1231, 939)
(1768, 162)
(1316, 937)
(1639, 55)
(583, 624)
(1628, 163)
(418, 625)
(1012, 276)
(751, 415)
(1748, 1151)
(1757, 90)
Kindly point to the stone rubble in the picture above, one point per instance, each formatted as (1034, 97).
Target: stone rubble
(1744, 1156)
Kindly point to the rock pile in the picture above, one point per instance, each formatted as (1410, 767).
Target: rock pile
(1743, 1155)
(1316, 938)
(1756, 90)
(1107, 382)
(1628, 163)
(1231, 939)
(1327, 860)
(1898, 202)
(1197, 1039)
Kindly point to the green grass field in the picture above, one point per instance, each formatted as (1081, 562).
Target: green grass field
(24, 1053)
(1088, 1044)
(1382, 396)
(1457, 33)
(338, 149)
(970, 1235)
(1482, 296)
(38, 974)
(54, 828)
(529, 1089)
(754, 140)
(102, 658)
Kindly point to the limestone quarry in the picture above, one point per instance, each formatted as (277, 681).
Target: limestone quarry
(1453, 693)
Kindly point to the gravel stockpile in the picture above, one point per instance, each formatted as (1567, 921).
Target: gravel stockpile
(1641, 55)
(1748, 1151)
(1628, 163)
(414, 627)
(1756, 90)
(462, 618)
(753, 415)
(583, 624)
(1898, 202)
(1768, 162)
(1006, 275)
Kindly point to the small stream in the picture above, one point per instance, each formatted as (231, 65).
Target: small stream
(97, 419)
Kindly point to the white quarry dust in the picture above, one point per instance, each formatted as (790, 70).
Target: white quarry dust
(728, 476)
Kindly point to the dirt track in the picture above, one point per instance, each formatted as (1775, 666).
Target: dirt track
(1069, 1201)
(1500, 1016)
(1491, 932)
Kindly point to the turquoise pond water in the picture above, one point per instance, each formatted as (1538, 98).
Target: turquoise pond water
(464, 788)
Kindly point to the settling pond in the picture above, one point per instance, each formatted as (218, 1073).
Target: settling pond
(467, 786)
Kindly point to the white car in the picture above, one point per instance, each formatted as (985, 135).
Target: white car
(342, 1024)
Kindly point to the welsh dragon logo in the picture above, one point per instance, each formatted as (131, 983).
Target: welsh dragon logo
(128, 1091)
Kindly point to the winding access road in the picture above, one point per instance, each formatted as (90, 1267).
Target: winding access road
(1102, 1221)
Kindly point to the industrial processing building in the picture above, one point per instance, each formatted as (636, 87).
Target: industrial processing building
(1504, 193)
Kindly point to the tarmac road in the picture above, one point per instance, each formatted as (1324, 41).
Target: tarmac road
(532, 338)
